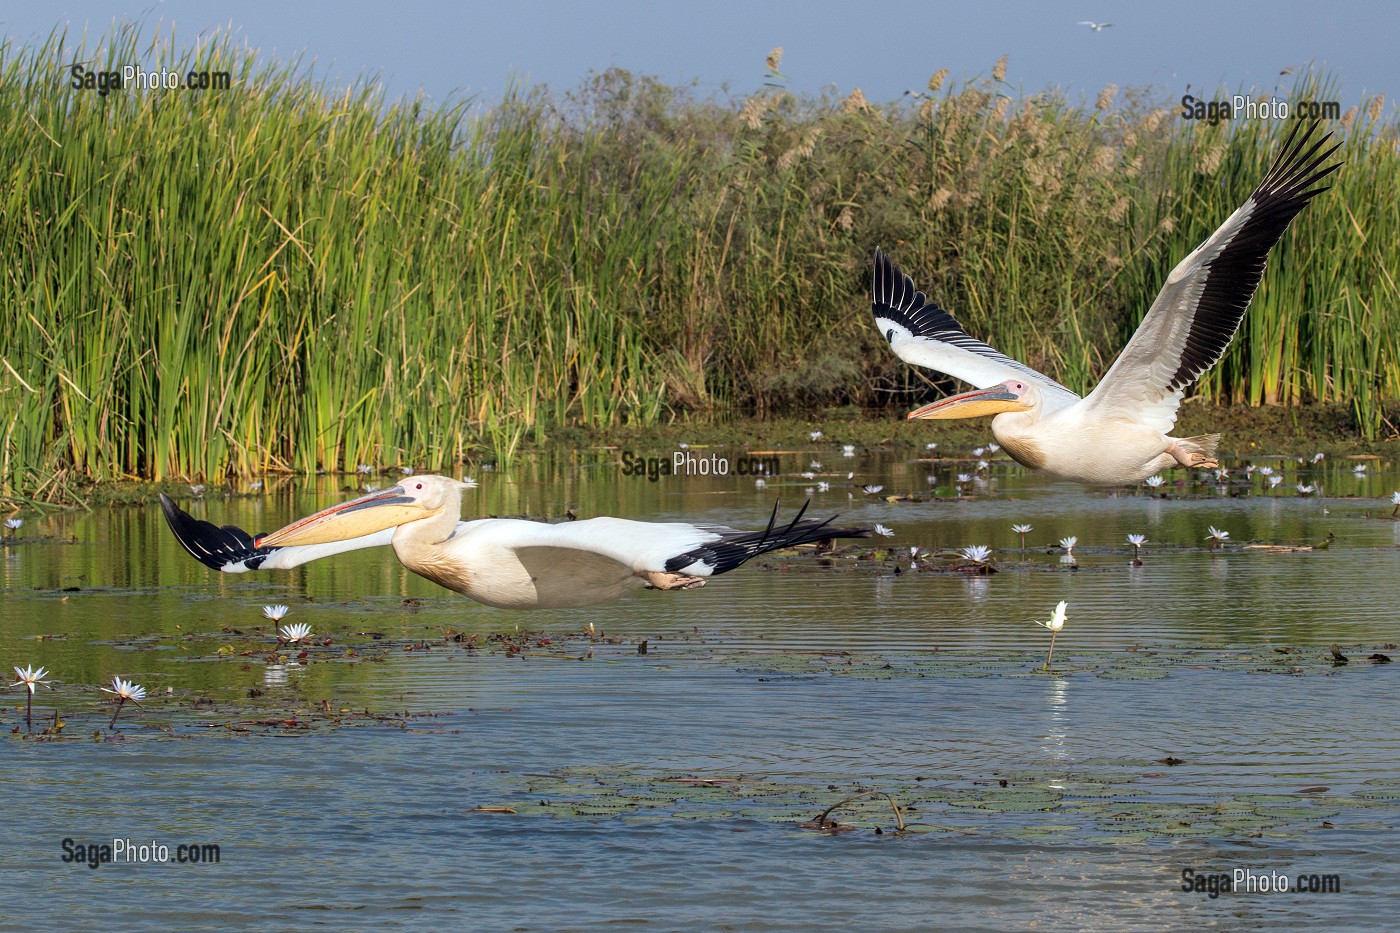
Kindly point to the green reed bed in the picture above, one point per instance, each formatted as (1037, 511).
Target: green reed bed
(286, 275)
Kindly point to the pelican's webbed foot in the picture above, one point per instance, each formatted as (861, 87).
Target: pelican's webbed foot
(1193, 459)
(1195, 453)
(660, 580)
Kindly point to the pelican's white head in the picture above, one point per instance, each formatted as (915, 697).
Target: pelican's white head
(1011, 395)
(414, 499)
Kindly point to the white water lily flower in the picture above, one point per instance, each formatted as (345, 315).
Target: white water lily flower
(1266, 471)
(1359, 469)
(1304, 490)
(1057, 618)
(1154, 481)
(275, 613)
(823, 487)
(255, 485)
(848, 450)
(983, 465)
(1222, 474)
(914, 551)
(809, 475)
(760, 483)
(363, 468)
(406, 471)
(126, 690)
(1056, 622)
(683, 445)
(1275, 481)
(14, 524)
(1217, 535)
(872, 490)
(1317, 457)
(884, 532)
(1137, 540)
(30, 677)
(964, 478)
(931, 445)
(815, 435)
(197, 489)
(977, 553)
(1395, 498)
(1069, 543)
(296, 632)
(1021, 529)
(994, 447)
(469, 483)
(814, 465)
(1250, 468)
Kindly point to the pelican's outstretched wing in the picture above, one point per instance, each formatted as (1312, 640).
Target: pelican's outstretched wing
(232, 550)
(660, 547)
(1199, 309)
(924, 334)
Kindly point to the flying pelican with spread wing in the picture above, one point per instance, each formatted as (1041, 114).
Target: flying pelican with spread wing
(1118, 434)
(502, 562)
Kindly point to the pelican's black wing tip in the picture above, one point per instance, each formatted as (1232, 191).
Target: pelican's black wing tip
(736, 548)
(227, 548)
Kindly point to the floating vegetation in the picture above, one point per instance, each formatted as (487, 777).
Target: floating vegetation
(1130, 664)
(1117, 800)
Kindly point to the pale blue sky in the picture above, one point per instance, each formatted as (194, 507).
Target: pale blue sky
(880, 46)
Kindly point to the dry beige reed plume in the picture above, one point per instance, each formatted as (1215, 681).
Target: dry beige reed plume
(1208, 159)
(935, 83)
(856, 102)
(999, 69)
(806, 144)
(774, 59)
(1102, 162)
(1106, 96)
(753, 110)
(1373, 112)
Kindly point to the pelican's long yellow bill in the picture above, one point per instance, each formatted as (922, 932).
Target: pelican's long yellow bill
(356, 518)
(975, 404)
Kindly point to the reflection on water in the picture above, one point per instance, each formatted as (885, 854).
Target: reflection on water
(372, 824)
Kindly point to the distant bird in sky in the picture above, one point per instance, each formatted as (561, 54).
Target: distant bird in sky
(1097, 27)
(1116, 435)
(502, 562)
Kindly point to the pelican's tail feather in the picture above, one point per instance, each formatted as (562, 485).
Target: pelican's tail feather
(1203, 444)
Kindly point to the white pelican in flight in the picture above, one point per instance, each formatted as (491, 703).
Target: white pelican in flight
(1118, 434)
(503, 562)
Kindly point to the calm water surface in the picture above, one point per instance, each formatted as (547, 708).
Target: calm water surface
(1216, 660)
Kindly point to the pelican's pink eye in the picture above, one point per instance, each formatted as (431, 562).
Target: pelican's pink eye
(419, 486)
